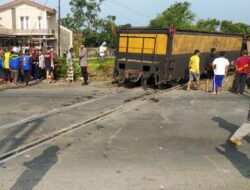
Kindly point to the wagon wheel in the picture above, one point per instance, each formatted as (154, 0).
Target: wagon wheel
(121, 78)
(144, 81)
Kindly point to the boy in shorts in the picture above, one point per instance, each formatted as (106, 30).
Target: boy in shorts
(194, 69)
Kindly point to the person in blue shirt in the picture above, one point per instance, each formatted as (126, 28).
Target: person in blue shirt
(1, 64)
(26, 66)
(14, 62)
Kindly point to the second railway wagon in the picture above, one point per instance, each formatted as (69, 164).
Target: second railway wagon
(160, 56)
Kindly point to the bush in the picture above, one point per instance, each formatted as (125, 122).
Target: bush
(94, 66)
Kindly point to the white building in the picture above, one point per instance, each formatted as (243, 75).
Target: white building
(25, 23)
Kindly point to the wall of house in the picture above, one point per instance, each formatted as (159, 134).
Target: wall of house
(66, 39)
(47, 21)
(6, 17)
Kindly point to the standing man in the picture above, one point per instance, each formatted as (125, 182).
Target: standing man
(14, 63)
(209, 71)
(48, 66)
(70, 64)
(41, 65)
(7, 65)
(26, 66)
(242, 70)
(102, 50)
(220, 66)
(54, 58)
(83, 63)
(1, 64)
(194, 69)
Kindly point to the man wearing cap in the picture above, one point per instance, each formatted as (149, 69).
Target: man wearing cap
(14, 63)
(102, 50)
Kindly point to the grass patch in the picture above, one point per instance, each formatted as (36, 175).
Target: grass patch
(97, 70)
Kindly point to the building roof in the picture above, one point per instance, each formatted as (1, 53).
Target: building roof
(29, 2)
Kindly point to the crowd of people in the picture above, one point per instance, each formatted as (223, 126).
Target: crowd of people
(216, 69)
(17, 65)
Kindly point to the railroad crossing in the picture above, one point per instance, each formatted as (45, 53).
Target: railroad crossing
(120, 138)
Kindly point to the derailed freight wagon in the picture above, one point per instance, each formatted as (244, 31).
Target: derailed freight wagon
(162, 56)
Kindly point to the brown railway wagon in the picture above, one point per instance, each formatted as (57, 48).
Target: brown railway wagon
(144, 53)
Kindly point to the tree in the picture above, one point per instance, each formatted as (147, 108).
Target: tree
(210, 25)
(178, 14)
(69, 23)
(85, 12)
(125, 26)
(234, 28)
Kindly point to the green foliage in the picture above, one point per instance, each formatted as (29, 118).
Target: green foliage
(69, 23)
(178, 14)
(125, 26)
(234, 28)
(62, 68)
(209, 25)
(85, 12)
(93, 66)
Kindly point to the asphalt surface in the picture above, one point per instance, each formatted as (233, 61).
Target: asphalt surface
(175, 141)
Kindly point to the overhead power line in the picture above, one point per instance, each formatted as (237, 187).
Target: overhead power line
(131, 9)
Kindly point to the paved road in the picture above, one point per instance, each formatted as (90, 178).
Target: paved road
(60, 109)
(176, 141)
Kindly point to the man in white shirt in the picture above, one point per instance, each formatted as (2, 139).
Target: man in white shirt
(220, 66)
(102, 51)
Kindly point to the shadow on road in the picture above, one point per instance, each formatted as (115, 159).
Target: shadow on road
(36, 169)
(18, 136)
(239, 159)
(228, 126)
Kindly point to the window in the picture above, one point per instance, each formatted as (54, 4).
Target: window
(39, 22)
(22, 22)
(27, 22)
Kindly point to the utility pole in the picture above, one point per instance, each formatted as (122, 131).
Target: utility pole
(59, 29)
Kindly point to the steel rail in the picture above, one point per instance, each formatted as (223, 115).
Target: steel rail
(127, 105)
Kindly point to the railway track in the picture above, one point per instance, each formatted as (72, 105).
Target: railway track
(126, 105)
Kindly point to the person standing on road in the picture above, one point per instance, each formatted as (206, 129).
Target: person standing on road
(54, 58)
(243, 131)
(70, 65)
(209, 71)
(194, 69)
(26, 61)
(242, 70)
(14, 64)
(35, 64)
(41, 65)
(7, 74)
(220, 66)
(83, 54)
(1, 64)
(48, 66)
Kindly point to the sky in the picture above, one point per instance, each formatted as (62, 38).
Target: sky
(140, 12)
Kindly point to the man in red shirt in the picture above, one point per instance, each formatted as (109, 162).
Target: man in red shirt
(242, 70)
